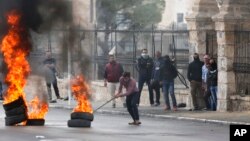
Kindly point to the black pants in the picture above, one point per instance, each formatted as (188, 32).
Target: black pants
(156, 87)
(142, 80)
(131, 101)
(54, 83)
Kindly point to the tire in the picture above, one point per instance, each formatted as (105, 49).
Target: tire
(82, 115)
(17, 103)
(13, 120)
(16, 111)
(79, 123)
(35, 122)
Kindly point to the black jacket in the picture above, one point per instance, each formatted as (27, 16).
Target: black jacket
(145, 67)
(195, 71)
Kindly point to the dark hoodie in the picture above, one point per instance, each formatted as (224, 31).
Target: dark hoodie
(195, 70)
(212, 75)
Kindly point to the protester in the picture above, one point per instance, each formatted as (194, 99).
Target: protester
(50, 76)
(194, 76)
(145, 67)
(205, 84)
(155, 81)
(212, 77)
(112, 74)
(131, 96)
(168, 74)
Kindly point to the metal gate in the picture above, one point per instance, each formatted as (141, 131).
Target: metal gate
(242, 62)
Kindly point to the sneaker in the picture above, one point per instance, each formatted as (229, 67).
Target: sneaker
(131, 123)
(66, 98)
(157, 104)
(137, 122)
(113, 105)
(59, 97)
(52, 101)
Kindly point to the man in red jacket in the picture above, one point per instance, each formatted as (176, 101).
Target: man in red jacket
(112, 74)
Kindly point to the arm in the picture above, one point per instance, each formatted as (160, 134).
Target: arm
(189, 72)
(130, 89)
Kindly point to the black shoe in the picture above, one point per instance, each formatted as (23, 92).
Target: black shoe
(52, 101)
(59, 97)
(157, 104)
(66, 98)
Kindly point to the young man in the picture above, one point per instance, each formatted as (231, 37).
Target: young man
(155, 80)
(131, 96)
(50, 76)
(194, 76)
(168, 74)
(112, 74)
(144, 67)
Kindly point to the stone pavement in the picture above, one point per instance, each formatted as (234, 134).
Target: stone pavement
(224, 118)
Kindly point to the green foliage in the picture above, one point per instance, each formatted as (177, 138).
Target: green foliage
(137, 13)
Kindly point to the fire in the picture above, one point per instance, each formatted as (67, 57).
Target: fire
(15, 48)
(81, 93)
(38, 109)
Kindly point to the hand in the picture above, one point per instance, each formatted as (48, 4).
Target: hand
(117, 95)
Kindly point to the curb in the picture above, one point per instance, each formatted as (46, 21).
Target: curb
(210, 121)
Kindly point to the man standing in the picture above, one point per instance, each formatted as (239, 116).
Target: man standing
(194, 75)
(145, 67)
(131, 96)
(155, 81)
(112, 74)
(50, 76)
(168, 74)
(205, 84)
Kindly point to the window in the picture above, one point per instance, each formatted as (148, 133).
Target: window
(180, 17)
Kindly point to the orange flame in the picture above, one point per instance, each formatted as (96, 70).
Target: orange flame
(81, 93)
(15, 48)
(38, 109)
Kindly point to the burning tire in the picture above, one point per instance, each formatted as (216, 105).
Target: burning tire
(82, 115)
(15, 111)
(35, 122)
(17, 103)
(13, 120)
(79, 123)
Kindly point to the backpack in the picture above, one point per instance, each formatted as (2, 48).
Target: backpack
(174, 71)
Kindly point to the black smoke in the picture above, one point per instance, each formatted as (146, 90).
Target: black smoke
(37, 15)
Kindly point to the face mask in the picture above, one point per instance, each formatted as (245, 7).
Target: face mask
(145, 56)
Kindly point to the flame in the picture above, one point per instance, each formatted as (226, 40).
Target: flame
(15, 48)
(38, 109)
(81, 93)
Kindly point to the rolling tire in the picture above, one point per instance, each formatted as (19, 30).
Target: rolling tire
(82, 115)
(13, 120)
(35, 122)
(16, 111)
(79, 123)
(17, 103)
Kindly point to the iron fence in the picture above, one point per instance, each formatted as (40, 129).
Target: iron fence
(241, 63)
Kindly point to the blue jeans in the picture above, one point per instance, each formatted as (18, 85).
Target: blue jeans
(131, 101)
(213, 97)
(168, 88)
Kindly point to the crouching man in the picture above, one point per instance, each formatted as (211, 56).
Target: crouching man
(131, 96)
